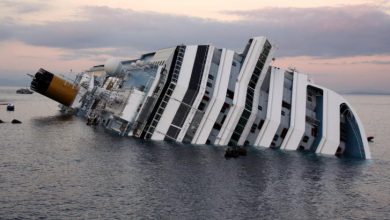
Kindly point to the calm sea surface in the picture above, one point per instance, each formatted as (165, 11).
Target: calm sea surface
(56, 167)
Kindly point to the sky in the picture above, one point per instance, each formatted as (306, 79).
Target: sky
(342, 45)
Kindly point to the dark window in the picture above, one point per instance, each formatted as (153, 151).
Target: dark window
(305, 139)
(201, 106)
(217, 126)
(223, 109)
(242, 121)
(235, 137)
(209, 84)
(253, 128)
(181, 115)
(211, 77)
(230, 94)
(255, 77)
(252, 84)
(260, 124)
(286, 105)
(257, 71)
(246, 114)
(260, 65)
(260, 108)
(314, 131)
(239, 129)
(284, 132)
(283, 113)
(223, 119)
(173, 132)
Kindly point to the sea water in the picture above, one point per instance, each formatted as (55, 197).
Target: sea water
(56, 167)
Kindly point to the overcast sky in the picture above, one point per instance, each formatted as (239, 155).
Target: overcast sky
(342, 45)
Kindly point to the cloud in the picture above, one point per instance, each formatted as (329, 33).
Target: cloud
(321, 32)
(23, 6)
(100, 54)
(374, 62)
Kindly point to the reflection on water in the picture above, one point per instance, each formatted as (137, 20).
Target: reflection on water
(54, 166)
(52, 118)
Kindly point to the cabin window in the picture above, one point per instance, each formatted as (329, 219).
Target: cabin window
(286, 105)
(284, 132)
(201, 106)
(252, 84)
(230, 93)
(253, 128)
(217, 126)
(224, 107)
(260, 124)
(223, 119)
(235, 136)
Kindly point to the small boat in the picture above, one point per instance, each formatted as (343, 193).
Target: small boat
(24, 91)
(10, 107)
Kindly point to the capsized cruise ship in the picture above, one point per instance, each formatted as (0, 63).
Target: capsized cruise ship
(201, 94)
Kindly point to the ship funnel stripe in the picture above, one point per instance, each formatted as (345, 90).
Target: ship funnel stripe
(54, 87)
(41, 81)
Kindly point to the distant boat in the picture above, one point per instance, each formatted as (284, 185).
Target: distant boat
(24, 91)
(10, 107)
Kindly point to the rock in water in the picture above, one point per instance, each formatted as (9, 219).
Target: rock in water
(15, 121)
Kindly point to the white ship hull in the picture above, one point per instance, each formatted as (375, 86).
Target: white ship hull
(200, 94)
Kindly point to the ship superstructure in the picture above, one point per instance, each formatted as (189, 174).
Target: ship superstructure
(201, 94)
